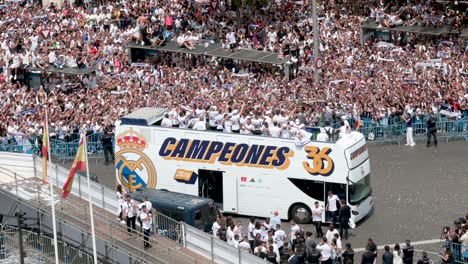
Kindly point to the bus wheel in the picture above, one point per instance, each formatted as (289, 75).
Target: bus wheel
(301, 214)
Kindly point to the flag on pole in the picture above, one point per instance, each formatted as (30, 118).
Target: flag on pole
(358, 124)
(45, 150)
(78, 165)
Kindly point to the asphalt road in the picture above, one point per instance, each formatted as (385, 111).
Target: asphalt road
(416, 192)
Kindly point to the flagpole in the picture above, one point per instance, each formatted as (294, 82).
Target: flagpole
(93, 235)
(54, 225)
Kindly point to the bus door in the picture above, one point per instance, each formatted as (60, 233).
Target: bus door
(218, 186)
(336, 188)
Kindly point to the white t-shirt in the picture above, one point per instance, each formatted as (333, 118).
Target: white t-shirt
(294, 229)
(332, 203)
(215, 228)
(166, 122)
(317, 213)
(280, 236)
(325, 251)
(331, 234)
(199, 125)
(251, 229)
(247, 129)
(245, 246)
(235, 122)
(128, 208)
(146, 222)
(275, 131)
(148, 204)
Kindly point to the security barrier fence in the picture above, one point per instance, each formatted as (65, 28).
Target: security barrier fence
(385, 130)
(42, 247)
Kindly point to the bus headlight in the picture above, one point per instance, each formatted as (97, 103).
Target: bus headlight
(354, 212)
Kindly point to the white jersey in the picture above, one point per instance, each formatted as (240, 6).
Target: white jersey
(129, 209)
(146, 221)
(235, 122)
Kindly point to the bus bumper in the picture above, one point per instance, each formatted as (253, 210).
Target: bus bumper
(362, 210)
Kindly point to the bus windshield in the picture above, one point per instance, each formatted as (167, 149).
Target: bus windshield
(360, 190)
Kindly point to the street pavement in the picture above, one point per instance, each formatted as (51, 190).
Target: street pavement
(417, 191)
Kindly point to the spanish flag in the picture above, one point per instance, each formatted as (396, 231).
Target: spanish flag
(357, 124)
(45, 150)
(78, 165)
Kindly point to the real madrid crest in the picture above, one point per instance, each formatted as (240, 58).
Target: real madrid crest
(134, 168)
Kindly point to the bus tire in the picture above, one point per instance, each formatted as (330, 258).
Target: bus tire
(301, 214)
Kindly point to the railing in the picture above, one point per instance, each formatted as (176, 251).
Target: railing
(79, 225)
(9, 252)
(45, 246)
(459, 251)
(391, 130)
(216, 249)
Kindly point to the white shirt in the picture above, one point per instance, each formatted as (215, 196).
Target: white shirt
(166, 122)
(317, 213)
(294, 229)
(128, 208)
(199, 125)
(235, 122)
(325, 251)
(331, 234)
(275, 131)
(251, 229)
(148, 204)
(245, 246)
(146, 222)
(215, 228)
(332, 203)
(280, 236)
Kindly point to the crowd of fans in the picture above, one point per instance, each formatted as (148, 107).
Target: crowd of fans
(378, 80)
(268, 240)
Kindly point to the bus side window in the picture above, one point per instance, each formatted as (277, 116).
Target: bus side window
(313, 189)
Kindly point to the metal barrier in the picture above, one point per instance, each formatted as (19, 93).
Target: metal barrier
(217, 250)
(45, 246)
(386, 130)
(459, 251)
(9, 252)
(111, 236)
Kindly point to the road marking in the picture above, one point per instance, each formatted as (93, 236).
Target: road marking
(416, 243)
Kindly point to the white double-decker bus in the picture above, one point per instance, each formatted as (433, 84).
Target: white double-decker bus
(245, 174)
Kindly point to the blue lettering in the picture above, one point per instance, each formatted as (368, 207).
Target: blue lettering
(215, 148)
(180, 149)
(164, 151)
(238, 155)
(254, 154)
(226, 150)
(281, 156)
(197, 149)
(268, 154)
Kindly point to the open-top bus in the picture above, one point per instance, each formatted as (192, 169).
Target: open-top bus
(245, 174)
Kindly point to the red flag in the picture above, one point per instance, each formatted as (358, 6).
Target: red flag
(78, 165)
(45, 150)
(357, 124)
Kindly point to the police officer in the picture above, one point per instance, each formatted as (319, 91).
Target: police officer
(424, 259)
(408, 252)
(313, 255)
(431, 130)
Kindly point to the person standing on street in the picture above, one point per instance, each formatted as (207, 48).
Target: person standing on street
(368, 257)
(326, 251)
(275, 220)
(372, 247)
(409, 131)
(317, 216)
(332, 206)
(424, 259)
(397, 255)
(343, 217)
(408, 252)
(331, 232)
(146, 219)
(387, 257)
(348, 255)
(431, 130)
